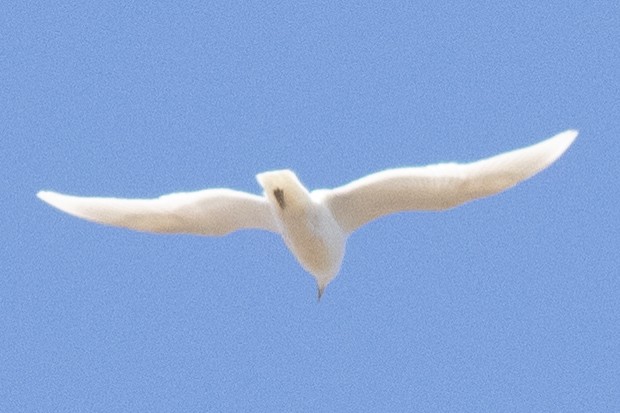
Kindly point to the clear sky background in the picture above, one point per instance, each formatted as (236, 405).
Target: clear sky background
(511, 303)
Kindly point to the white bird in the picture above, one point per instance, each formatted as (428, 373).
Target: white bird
(315, 225)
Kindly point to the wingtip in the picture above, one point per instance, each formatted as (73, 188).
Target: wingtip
(43, 195)
(562, 141)
(48, 196)
(51, 198)
(569, 135)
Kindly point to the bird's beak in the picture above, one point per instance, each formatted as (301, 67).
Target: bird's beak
(320, 290)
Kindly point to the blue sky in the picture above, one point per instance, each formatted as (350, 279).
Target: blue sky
(511, 303)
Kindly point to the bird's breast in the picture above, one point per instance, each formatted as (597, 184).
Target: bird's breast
(316, 241)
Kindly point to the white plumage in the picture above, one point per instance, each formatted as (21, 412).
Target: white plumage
(315, 225)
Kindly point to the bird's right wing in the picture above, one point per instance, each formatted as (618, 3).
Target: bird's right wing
(207, 212)
(441, 186)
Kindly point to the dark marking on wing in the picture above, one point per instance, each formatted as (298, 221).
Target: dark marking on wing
(279, 194)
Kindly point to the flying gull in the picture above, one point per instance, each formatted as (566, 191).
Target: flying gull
(315, 224)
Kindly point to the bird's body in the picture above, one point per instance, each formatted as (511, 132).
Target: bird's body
(306, 224)
(315, 225)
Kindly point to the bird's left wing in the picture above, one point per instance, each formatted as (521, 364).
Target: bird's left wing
(441, 186)
(206, 212)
